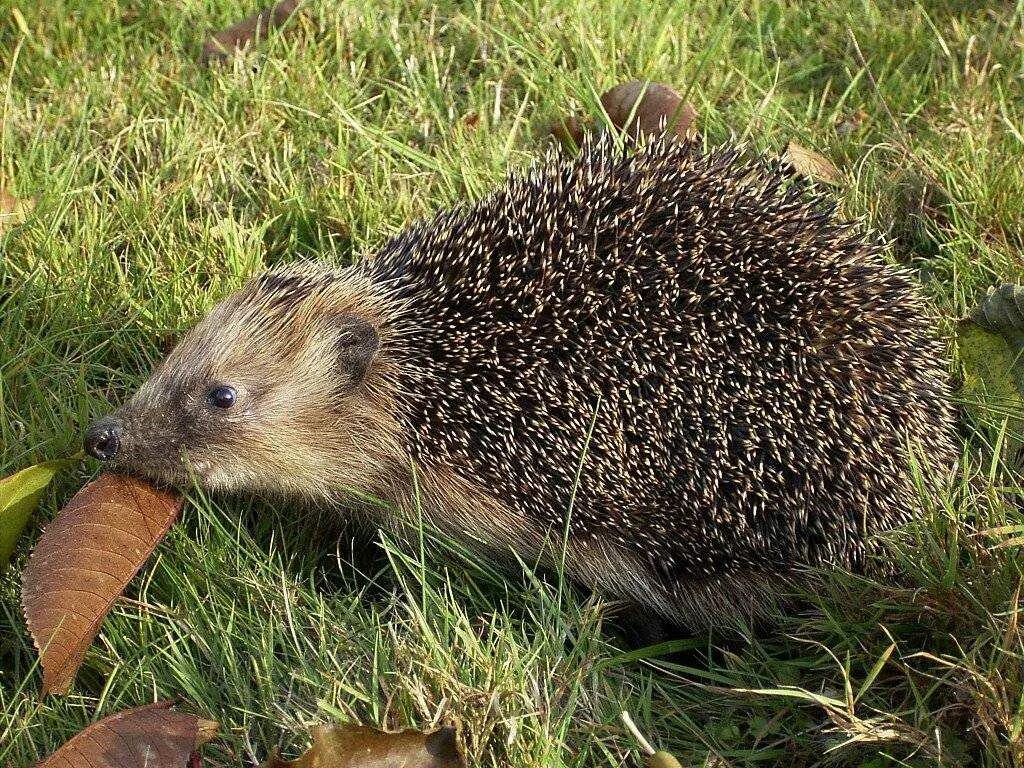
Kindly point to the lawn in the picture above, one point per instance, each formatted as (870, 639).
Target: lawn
(160, 184)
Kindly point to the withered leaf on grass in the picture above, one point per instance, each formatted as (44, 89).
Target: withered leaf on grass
(144, 737)
(221, 45)
(811, 164)
(649, 107)
(19, 494)
(662, 759)
(82, 563)
(356, 746)
(655, 758)
(639, 107)
(12, 210)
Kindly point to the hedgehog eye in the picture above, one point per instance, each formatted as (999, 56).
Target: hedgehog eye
(222, 397)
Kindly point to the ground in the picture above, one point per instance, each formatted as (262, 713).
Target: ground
(160, 184)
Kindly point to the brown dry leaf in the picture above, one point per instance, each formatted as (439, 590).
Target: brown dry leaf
(356, 746)
(82, 563)
(12, 210)
(223, 44)
(658, 104)
(153, 735)
(809, 163)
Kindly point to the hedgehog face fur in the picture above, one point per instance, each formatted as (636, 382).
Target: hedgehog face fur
(272, 392)
(678, 363)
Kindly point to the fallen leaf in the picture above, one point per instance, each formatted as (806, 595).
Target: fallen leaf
(992, 380)
(144, 737)
(12, 210)
(663, 759)
(655, 758)
(226, 42)
(649, 108)
(639, 107)
(991, 347)
(19, 495)
(811, 164)
(1002, 311)
(82, 563)
(356, 746)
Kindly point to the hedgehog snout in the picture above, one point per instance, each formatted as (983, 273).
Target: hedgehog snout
(137, 442)
(103, 438)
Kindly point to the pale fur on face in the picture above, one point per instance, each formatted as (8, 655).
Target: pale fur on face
(308, 420)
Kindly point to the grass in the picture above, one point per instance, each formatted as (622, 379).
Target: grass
(160, 185)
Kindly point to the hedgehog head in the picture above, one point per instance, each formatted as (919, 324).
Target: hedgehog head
(280, 387)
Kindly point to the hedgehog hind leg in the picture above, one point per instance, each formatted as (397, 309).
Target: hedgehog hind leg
(738, 603)
(729, 609)
(641, 627)
(726, 621)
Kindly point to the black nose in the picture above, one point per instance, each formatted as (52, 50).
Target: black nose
(102, 439)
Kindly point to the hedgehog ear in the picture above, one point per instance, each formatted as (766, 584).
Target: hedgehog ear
(357, 343)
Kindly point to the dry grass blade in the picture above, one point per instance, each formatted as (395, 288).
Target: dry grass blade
(655, 758)
(83, 561)
(852, 727)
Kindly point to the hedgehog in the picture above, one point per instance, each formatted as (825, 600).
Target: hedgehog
(674, 371)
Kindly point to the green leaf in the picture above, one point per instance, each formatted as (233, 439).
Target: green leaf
(993, 379)
(19, 494)
(1002, 311)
